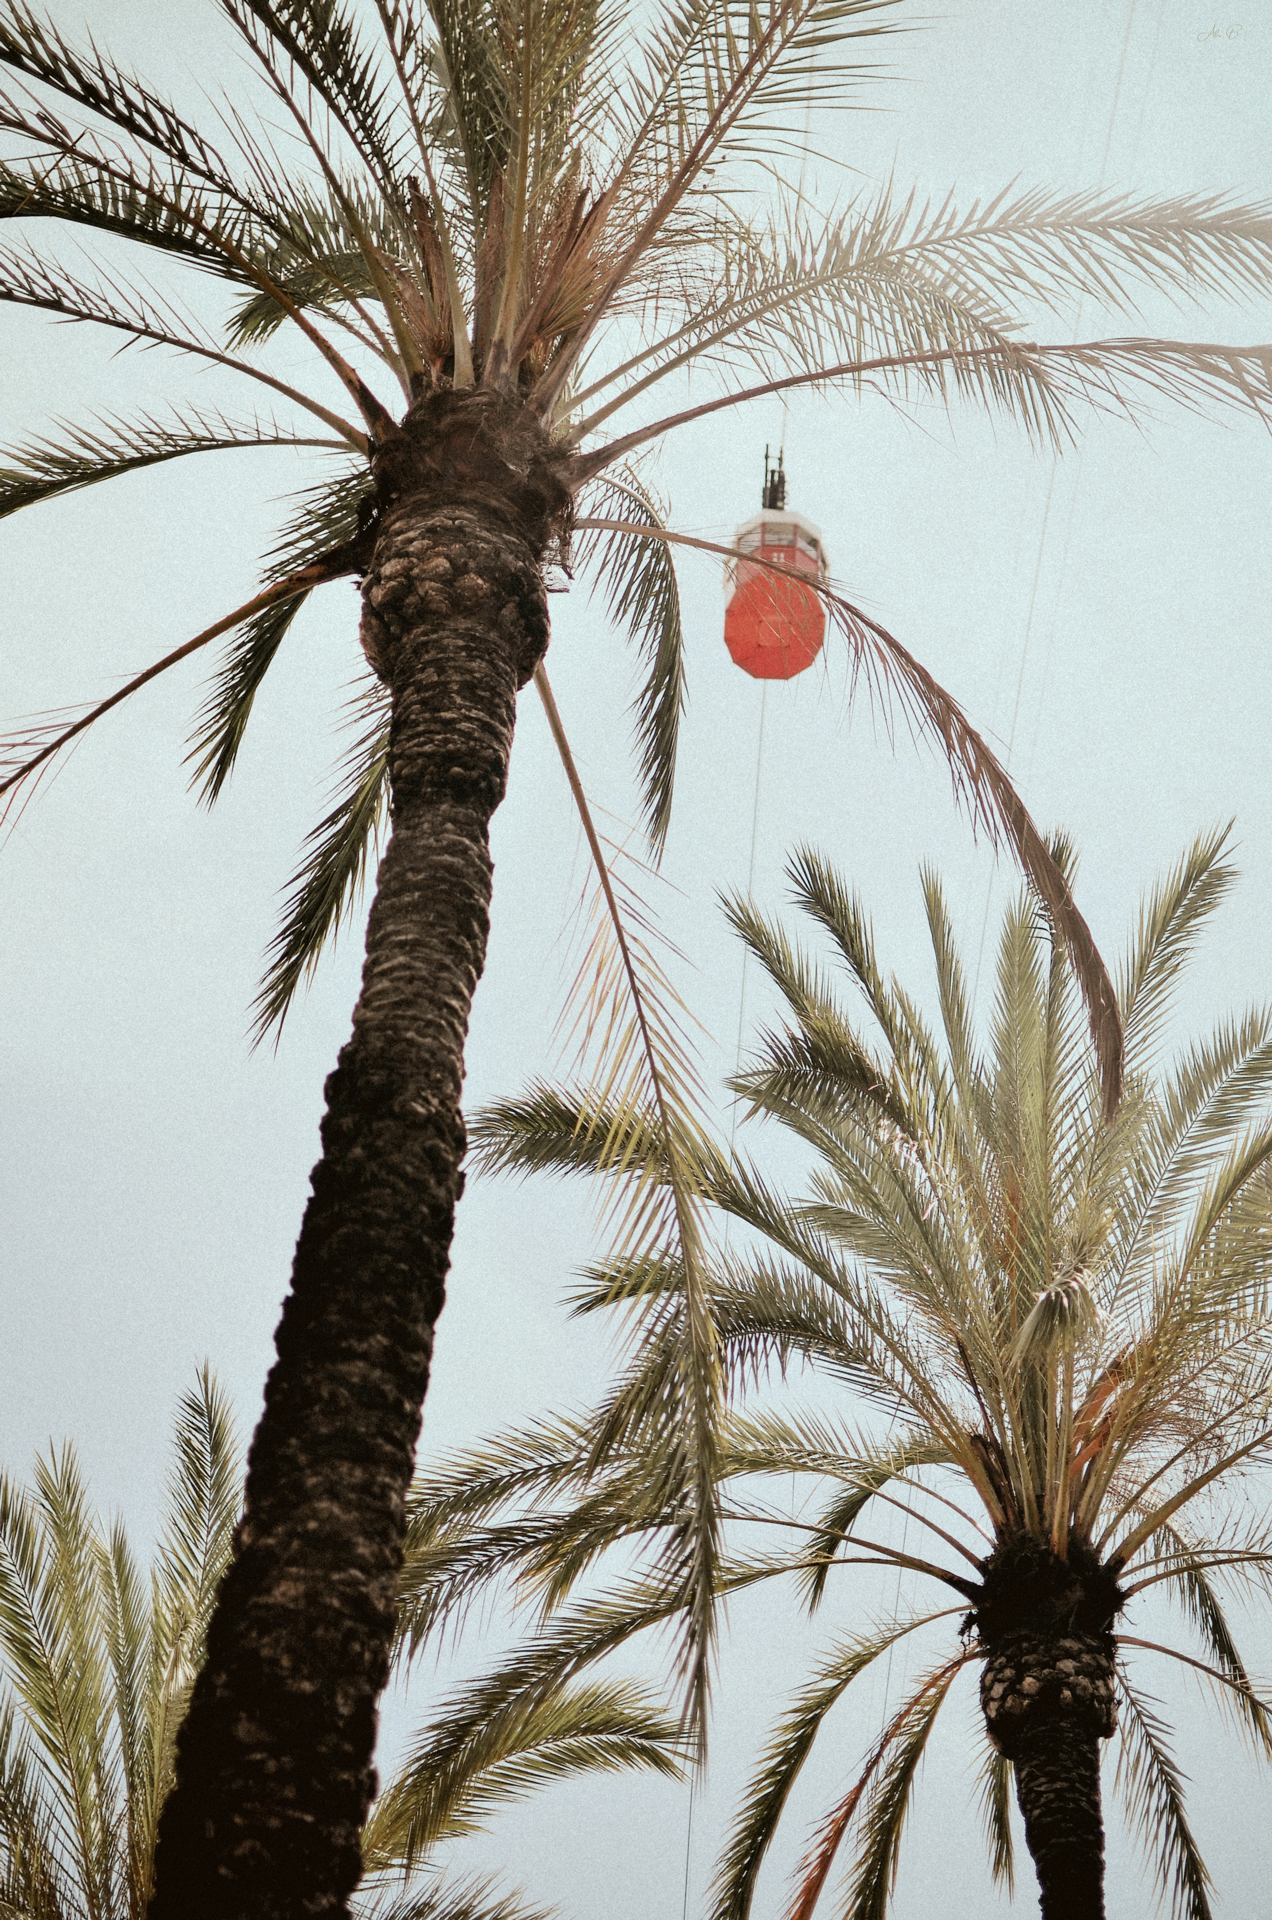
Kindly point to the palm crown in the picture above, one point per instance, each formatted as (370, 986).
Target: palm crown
(1053, 1329)
(542, 205)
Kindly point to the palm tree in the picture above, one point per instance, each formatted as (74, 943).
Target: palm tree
(96, 1667)
(519, 221)
(1052, 1328)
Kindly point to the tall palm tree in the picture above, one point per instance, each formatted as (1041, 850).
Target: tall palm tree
(1042, 1338)
(492, 227)
(96, 1667)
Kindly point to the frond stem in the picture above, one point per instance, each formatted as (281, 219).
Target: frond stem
(1189, 1660)
(314, 575)
(851, 369)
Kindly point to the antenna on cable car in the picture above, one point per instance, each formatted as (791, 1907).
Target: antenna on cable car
(774, 623)
(773, 498)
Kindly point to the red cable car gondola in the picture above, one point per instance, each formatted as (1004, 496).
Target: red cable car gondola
(773, 624)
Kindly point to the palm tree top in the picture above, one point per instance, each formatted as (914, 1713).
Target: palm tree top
(1050, 1326)
(565, 209)
(96, 1663)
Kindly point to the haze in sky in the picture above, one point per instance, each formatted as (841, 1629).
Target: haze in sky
(1105, 618)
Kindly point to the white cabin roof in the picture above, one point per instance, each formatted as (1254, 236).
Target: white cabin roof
(782, 516)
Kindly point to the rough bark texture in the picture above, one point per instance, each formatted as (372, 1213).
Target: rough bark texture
(1048, 1696)
(274, 1772)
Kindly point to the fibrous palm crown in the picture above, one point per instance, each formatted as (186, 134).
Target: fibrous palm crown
(552, 209)
(1036, 1333)
(96, 1664)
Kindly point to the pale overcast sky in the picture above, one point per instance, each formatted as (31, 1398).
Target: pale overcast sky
(1106, 620)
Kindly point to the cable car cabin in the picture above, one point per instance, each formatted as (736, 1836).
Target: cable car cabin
(773, 625)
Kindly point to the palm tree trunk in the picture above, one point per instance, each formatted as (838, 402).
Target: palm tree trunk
(274, 1773)
(1048, 1702)
(1057, 1767)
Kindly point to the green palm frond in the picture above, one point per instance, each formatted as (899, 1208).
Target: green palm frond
(1188, 1578)
(597, 1726)
(96, 1664)
(29, 279)
(1170, 921)
(79, 455)
(1219, 1084)
(753, 1829)
(320, 41)
(1152, 1789)
(995, 1801)
(324, 892)
(319, 259)
(55, 1661)
(879, 1801)
(794, 1070)
(31, 44)
(37, 1867)
(452, 1900)
(532, 1463)
(325, 526)
(203, 1504)
(638, 579)
(125, 1626)
(643, 1121)
(89, 186)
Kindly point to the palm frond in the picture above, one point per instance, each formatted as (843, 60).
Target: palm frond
(812, 292)
(323, 533)
(531, 1463)
(26, 753)
(638, 579)
(885, 1783)
(733, 1890)
(203, 1503)
(1115, 376)
(126, 1624)
(644, 1119)
(320, 41)
(28, 279)
(451, 1900)
(324, 891)
(1170, 920)
(1152, 1790)
(55, 1661)
(597, 1726)
(37, 1862)
(74, 455)
(87, 184)
(1190, 1581)
(824, 1054)
(1052, 247)
(32, 45)
(995, 1801)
